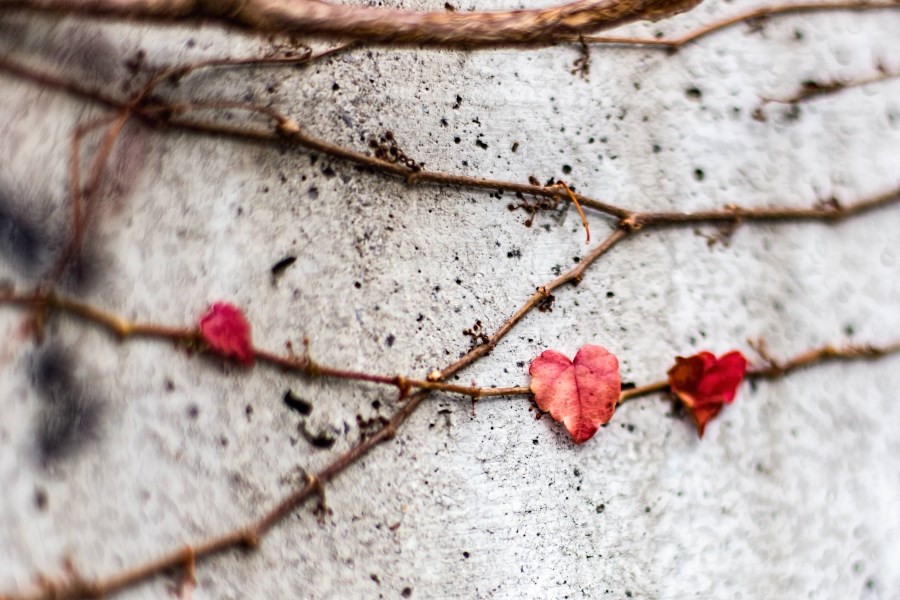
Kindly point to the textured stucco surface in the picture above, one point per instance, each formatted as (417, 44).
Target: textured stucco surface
(793, 493)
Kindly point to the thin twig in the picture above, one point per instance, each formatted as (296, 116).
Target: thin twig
(287, 129)
(777, 370)
(811, 90)
(750, 15)
(251, 534)
(123, 329)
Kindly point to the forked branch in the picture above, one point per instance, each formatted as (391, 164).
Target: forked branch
(380, 25)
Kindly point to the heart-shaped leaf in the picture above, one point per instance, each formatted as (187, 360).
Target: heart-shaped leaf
(581, 394)
(704, 383)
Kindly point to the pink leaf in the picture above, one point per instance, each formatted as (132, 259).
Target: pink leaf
(227, 332)
(581, 394)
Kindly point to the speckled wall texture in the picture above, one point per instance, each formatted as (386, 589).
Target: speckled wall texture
(112, 454)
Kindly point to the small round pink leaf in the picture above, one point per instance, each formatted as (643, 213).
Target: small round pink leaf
(581, 394)
(227, 332)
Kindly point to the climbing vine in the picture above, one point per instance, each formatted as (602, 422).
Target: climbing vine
(582, 393)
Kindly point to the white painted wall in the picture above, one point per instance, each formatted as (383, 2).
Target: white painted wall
(794, 492)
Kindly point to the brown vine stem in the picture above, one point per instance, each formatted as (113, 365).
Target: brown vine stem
(379, 25)
(811, 90)
(250, 534)
(155, 114)
(776, 370)
(123, 329)
(757, 13)
(288, 129)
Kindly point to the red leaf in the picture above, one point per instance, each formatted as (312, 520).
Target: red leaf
(227, 332)
(581, 394)
(704, 383)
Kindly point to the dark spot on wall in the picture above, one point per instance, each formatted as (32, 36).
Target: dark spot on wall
(282, 265)
(41, 500)
(297, 404)
(70, 414)
(21, 242)
(31, 244)
(320, 439)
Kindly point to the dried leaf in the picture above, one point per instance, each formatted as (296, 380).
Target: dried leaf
(704, 383)
(227, 332)
(581, 394)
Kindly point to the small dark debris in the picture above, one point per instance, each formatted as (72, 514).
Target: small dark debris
(699, 175)
(135, 63)
(296, 403)
(282, 265)
(389, 340)
(386, 148)
(693, 93)
(566, 169)
(601, 508)
(322, 439)
(546, 303)
(458, 101)
(481, 144)
(514, 253)
(477, 334)
(193, 411)
(515, 146)
(407, 592)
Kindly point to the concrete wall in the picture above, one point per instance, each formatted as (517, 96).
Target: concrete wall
(114, 453)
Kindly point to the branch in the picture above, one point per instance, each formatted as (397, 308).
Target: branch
(379, 25)
(286, 128)
(750, 15)
(810, 90)
(776, 370)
